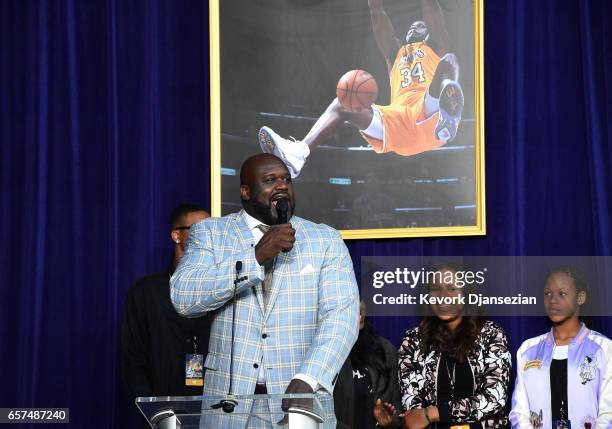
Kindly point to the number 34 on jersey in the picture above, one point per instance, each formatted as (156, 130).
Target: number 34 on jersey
(417, 73)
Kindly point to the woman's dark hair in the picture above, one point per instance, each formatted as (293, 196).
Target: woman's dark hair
(368, 352)
(436, 336)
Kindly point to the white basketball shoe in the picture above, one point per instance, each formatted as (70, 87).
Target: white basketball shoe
(292, 152)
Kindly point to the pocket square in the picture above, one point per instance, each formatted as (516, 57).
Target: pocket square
(308, 269)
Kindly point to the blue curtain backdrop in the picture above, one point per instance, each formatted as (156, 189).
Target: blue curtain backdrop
(104, 126)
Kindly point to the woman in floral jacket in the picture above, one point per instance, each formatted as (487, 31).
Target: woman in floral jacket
(455, 366)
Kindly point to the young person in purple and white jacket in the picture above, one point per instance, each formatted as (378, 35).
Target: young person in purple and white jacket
(565, 374)
(454, 368)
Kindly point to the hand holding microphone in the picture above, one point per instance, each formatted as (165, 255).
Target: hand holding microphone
(279, 238)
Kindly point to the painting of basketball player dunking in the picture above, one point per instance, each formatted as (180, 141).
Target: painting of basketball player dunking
(376, 107)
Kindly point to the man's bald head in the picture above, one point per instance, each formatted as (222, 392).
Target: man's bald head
(264, 180)
(250, 167)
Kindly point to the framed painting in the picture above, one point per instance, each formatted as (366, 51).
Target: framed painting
(375, 106)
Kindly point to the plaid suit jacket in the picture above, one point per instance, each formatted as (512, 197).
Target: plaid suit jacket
(309, 325)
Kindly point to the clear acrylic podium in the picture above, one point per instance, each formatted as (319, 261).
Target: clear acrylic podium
(306, 411)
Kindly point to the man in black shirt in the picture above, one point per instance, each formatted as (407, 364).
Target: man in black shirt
(156, 342)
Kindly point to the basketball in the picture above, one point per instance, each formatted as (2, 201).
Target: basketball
(356, 90)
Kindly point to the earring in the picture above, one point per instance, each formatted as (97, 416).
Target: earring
(177, 241)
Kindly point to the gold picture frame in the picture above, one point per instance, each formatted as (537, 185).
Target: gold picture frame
(259, 23)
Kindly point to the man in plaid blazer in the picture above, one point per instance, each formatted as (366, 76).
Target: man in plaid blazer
(297, 303)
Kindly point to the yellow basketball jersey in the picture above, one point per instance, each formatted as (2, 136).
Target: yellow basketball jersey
(412, 71)
(406, 130)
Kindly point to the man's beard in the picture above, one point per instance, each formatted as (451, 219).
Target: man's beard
(264, 212)
(268, 214)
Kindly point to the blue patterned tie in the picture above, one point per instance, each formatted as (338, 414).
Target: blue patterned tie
(268, 269)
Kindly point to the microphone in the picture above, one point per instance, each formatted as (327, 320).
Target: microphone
(282, 207)
(228, 405)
